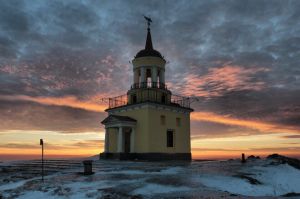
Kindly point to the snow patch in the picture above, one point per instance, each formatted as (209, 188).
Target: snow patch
(236, 186)
(276, 180)
(151, 189)
(219, 178)
(12, 185)
(36, 194)
(282, 178)
(171, 170)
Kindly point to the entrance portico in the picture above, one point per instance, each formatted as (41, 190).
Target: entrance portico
(125, 128)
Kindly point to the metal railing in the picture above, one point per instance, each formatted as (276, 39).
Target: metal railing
(114, 102)
(176, 100)
(181, 101)
(149, 85)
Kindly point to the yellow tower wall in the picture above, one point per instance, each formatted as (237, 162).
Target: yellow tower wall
(151, 135)
(158, 132)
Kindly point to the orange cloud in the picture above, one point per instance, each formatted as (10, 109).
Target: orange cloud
(69, 101)
(92, 105)
(218, 80)
(257, 125)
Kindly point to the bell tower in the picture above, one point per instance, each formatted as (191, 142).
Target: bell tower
(157, 73)
(149, 74)
(149, 122)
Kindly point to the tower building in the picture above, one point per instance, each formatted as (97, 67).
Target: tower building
(149, 122)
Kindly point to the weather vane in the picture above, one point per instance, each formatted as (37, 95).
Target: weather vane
(149, 21)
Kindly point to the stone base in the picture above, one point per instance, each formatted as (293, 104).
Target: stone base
(148, 156)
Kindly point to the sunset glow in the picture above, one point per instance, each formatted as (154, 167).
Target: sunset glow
(59, 61)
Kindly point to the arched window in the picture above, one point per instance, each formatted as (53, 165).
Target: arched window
(148, 77)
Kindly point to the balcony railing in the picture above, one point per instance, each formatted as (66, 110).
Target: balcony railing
(121, 100)
(181, 101)
(175, 100)
(149, 85)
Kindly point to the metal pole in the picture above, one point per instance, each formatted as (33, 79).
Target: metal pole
(42, 143)
(43, 162)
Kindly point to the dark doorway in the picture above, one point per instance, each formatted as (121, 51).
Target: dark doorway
(127, 142)
(133, 99)
(163, 99)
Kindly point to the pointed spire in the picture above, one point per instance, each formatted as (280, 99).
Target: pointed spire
(148, 51)
(149, 45)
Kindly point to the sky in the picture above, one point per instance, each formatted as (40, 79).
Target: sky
(239, 58)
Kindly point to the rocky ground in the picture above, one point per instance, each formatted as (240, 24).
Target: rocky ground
(268, 178)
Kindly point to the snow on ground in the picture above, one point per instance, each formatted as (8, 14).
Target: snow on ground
(236, 185)
(150, 189)
(263, 180)
(281, 179)
(36, 194)
(12, 185)
(124, 179)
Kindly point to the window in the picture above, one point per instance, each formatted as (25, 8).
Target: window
(178, 121)
(162, 120)
(170, 138)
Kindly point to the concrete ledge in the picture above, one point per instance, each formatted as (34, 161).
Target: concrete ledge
(147, 156)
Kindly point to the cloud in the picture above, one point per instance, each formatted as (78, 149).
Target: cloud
(273, 149)
(200, 149)
(251, 124)
(269, 150)
(19, 149)
(69, 101)
(25, 115)
(57, 59)
(89, 144)
(292, 136)
(219, 81)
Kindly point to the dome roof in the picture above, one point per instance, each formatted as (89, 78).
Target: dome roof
(148, 51)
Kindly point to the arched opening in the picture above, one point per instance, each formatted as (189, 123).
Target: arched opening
(148, 77)
(158, 76)
(139, 77)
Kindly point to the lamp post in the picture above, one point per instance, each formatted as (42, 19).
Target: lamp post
(42, 144)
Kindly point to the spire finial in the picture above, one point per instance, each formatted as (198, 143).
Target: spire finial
(149, 21)
(148, 45)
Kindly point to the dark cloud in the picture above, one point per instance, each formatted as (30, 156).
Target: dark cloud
(292, 136)
(247, 103)
(82, 49)
(20, 115)
(272, 149)
(204, 129)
